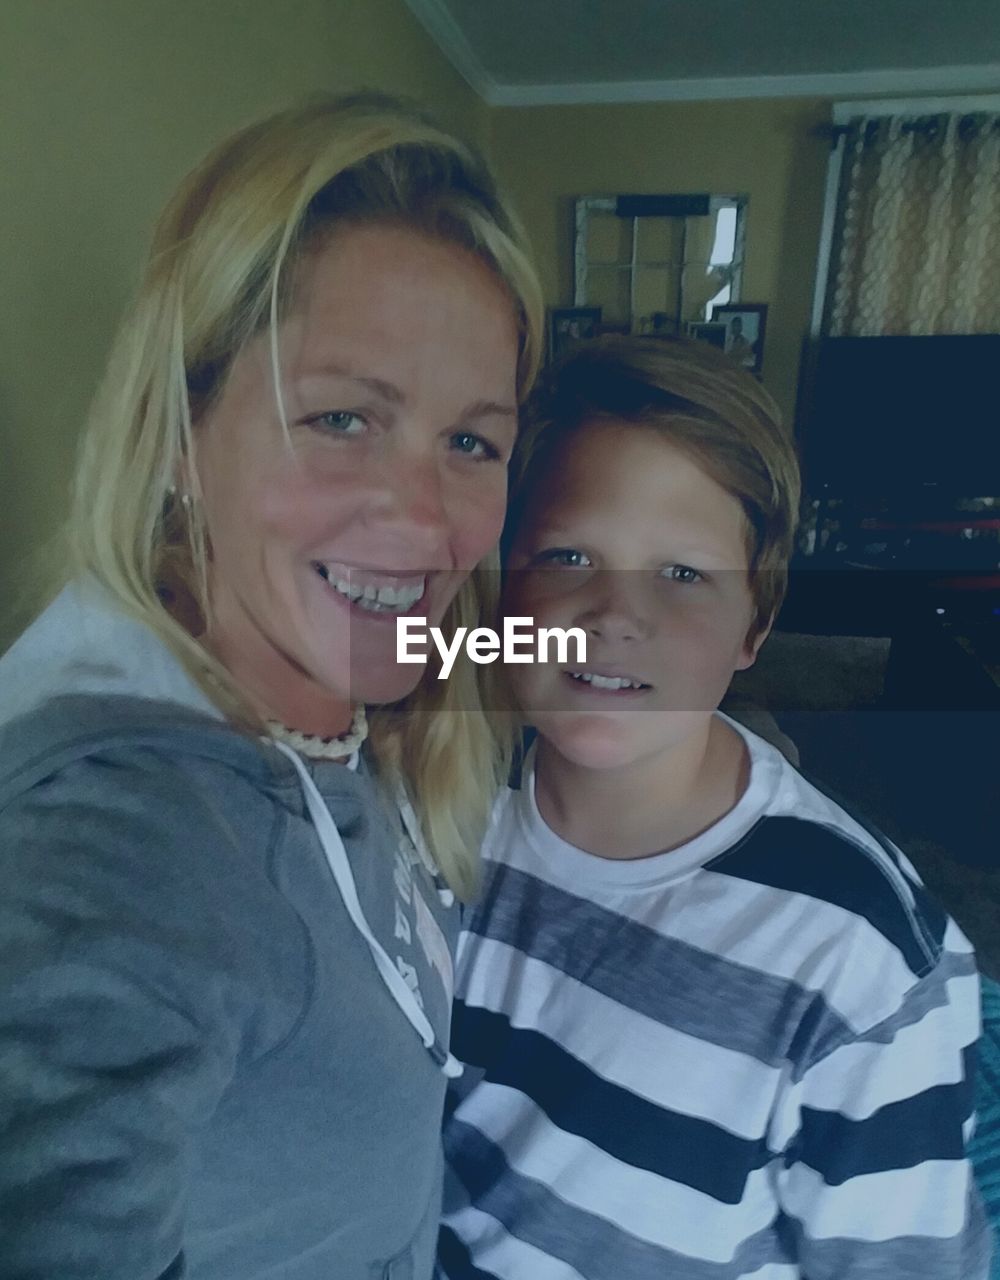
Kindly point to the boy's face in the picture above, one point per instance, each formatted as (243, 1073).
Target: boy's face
(630, 540)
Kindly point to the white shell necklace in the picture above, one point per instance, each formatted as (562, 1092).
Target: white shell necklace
(313, 747)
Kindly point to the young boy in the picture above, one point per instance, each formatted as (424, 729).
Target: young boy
(713, 1026)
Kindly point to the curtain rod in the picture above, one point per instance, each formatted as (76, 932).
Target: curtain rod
(929, 123)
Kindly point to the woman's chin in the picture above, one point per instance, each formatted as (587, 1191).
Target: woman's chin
(379, 685)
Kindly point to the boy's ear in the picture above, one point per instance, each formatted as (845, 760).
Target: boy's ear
(752, 644)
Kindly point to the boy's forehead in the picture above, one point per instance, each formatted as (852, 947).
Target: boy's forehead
(576, 457)
(606, 456)
(639, 475)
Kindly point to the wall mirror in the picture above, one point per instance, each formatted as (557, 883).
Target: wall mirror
(658, 263)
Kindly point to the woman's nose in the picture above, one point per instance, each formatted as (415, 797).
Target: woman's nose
(410, 500)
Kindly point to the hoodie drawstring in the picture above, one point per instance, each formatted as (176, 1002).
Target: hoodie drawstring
(336, 856)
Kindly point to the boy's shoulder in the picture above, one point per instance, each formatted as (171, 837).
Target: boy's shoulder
(796, 890)
(810, 847)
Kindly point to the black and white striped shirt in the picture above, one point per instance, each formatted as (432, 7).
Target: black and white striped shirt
(747, 1057)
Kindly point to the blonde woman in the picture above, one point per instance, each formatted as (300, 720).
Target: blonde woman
(225, 930)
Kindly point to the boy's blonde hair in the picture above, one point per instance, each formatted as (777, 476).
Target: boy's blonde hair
(705, 404)
(220, 271)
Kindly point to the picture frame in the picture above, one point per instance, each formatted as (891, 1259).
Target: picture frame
(711, 331)
(662, 324)
(568, 325)
(746, 325)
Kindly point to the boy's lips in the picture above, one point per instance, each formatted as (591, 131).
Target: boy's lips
(607, 680)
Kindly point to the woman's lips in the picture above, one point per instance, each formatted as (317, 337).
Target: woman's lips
(375, 595)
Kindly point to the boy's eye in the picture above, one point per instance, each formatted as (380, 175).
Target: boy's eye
(474, 446)
(681, 573)
(564, 558)
(339, 422)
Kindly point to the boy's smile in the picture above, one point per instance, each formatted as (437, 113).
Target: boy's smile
(629, 539)
(608, 682)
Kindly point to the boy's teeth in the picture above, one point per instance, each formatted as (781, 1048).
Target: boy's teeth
(376, 599)
(606, 682)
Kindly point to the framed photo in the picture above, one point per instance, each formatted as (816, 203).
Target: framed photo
(662, 324)
(708, 331)
(571, 324)
(745, 324)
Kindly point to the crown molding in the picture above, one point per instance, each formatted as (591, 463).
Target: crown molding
(819, 85)
(435, 18)
(843, 112)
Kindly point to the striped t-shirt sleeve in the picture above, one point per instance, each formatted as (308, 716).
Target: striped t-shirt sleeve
(875, 1180)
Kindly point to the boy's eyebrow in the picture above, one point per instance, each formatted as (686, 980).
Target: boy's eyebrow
(547, 533)
(708, 553)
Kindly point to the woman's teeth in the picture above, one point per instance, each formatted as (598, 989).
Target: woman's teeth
(375, 599)
(607, 682)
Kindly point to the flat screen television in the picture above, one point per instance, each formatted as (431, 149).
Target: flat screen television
(896, 415)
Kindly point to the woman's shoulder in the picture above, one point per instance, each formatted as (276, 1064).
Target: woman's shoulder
(136, 841)
(69, 741)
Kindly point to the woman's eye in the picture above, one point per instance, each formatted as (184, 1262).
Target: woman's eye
(564, 558)
(339, 422)
(474, 446)
(681, 573)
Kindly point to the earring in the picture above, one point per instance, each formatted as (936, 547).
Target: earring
(186, 499)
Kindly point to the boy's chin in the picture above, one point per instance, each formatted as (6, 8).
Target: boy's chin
(592, 742)
(605, 742)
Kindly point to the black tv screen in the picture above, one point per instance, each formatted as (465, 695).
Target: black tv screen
(892, 415)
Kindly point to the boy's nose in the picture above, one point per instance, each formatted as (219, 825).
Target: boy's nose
(614, 627)
(616, 615)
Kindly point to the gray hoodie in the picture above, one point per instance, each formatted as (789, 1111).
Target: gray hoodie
(211, 1056)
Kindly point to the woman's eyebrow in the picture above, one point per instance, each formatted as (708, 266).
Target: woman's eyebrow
(387, 390)
(489, 409)
(390, 392)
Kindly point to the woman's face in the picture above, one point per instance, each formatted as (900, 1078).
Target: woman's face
(398, 366)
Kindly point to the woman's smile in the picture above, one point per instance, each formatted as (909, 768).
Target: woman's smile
(385, 489)
(373, 592)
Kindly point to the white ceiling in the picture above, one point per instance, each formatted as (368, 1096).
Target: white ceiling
(522, 52)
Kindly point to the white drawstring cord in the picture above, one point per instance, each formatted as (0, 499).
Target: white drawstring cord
(336, 856)
(412, 825)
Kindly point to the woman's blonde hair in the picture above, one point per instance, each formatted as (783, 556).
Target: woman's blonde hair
(706, 405)
(219, 273)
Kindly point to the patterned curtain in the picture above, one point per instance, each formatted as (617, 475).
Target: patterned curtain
(917, 246)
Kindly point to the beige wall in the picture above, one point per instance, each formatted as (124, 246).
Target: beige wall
(764, 149)
(104, 104)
